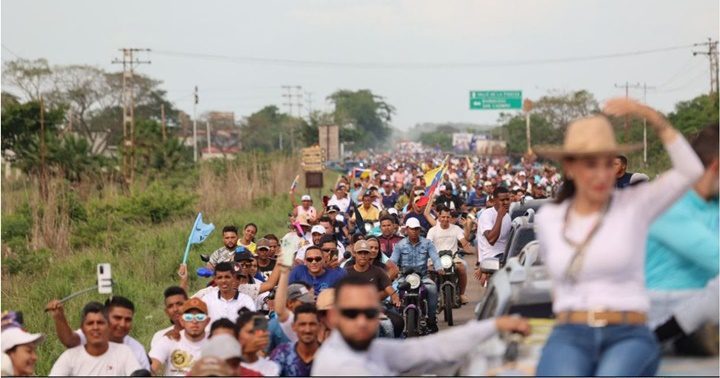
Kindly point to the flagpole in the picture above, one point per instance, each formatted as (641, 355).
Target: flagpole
(187, 247)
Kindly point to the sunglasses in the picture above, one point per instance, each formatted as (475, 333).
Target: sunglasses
(362, 252)
(246, 265)
(313, 259)
(188, 317)
(330, 250)
(352, 313)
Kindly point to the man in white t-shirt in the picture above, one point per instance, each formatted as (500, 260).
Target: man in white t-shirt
(175, 298)
(340, 198)
(445, 237)
(120, 312)
(225, 300)
(493, 231)
(176, 357)
(97, 356)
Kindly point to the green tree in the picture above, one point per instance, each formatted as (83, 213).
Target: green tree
(513, 130)
(365, 113)
(691, 116)
(21, 123)
(559, 108)
(263, 130)
(437, 139)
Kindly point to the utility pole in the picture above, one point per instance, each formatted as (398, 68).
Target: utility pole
(43, 153)
(645, 88)
(129, 62)
(289, 97)
(195, 151)
(627, 93)
(712, 54)
(162, 119)
(309, 104)
(207, 128)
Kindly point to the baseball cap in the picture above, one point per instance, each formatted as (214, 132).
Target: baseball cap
(262, 244)
(341, 185)
(522, 173)
(302, 220)
(488, 183)
(412, 223)
(333, 208)
(223, 347)
(306, 197)
(442, 188)
(361, 245)
(194, 303)
(317, 229)
(211, 367)
(326, 299)
(300, 292)
(244, 255)
(393, 211)
(15, 336)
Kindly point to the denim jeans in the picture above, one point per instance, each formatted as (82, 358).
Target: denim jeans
(616, 350)
(432, 297)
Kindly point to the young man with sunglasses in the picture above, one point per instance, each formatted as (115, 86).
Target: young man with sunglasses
(364, 269)
(353, 350)
(176, 357)
(315, 271)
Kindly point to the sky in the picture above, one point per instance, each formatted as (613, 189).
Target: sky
(423, 57)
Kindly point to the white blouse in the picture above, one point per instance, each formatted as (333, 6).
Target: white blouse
(612, 273)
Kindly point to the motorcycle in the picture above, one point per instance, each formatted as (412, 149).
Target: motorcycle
(414, 304)
(448, 285)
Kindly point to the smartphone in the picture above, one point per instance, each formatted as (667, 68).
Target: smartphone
(104, 278)
(260, 323)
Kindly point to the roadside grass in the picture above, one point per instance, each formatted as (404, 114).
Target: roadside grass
(144, 254)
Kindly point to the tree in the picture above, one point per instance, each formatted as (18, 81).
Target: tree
(513, 131)
(560, 108)
(21, 122)
(437, 139)
(691, 116)
(32, 78)
(264, 127)
(364, 111)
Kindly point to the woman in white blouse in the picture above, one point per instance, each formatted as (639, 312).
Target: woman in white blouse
(593, 242)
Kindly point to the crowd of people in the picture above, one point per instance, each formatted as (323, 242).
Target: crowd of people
(323, 300)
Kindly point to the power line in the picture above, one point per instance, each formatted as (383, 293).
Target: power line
(11, 52)
(410, 65)
(712, 55)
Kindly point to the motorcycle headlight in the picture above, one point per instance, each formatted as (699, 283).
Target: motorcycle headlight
(413, 280)
(446, 261)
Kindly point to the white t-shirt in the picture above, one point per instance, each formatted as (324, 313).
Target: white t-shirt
(446, 239)
(118, 360)
(178, 357)
(342, 203)
(137, 349)
(486, 222)
(159, 335)
(251, 290)
(219, 307)
(264, 366)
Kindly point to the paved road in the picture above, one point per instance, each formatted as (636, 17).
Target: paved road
(474, 292)
(670, 365)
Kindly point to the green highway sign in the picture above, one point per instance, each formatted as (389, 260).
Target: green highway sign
(490, 100)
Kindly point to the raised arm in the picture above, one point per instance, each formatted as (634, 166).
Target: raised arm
(493, 234)
(654, 197)
(427, 213)
(67, 336)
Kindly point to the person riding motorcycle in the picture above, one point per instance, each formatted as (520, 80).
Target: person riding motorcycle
(412, 253)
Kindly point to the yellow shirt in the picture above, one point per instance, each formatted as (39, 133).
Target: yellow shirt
(250, 247)
(369, 215)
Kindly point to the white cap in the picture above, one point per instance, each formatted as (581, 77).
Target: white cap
(306, 197)
(223, 347)
(522, 173)
(317, 229)
(412, 223)
(442, 188)
(15, 336)
(392, 210)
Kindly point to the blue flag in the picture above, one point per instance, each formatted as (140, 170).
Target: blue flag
(198, 234)
(200, 230)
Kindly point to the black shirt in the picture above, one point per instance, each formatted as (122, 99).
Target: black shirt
(373, 274)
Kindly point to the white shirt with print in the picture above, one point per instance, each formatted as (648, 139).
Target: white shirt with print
(118, 360)
(178, 357)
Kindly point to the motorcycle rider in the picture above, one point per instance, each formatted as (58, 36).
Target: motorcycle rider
(412, 253)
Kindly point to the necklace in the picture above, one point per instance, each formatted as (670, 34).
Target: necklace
(579, 256)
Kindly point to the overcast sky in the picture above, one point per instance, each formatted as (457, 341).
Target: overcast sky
(423, 56)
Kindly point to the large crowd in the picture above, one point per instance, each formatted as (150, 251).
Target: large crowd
(627, 255)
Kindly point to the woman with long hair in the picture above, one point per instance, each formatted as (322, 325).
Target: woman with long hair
(592, 239)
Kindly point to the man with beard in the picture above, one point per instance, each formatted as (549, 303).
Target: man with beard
(226, 253)
(353, 350)
(178, 356)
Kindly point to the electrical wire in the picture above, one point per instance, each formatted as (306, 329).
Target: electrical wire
(409, 65)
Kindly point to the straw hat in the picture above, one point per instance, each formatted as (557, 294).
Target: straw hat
(586, 137)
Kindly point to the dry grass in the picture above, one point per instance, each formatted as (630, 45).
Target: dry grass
(233, 185)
